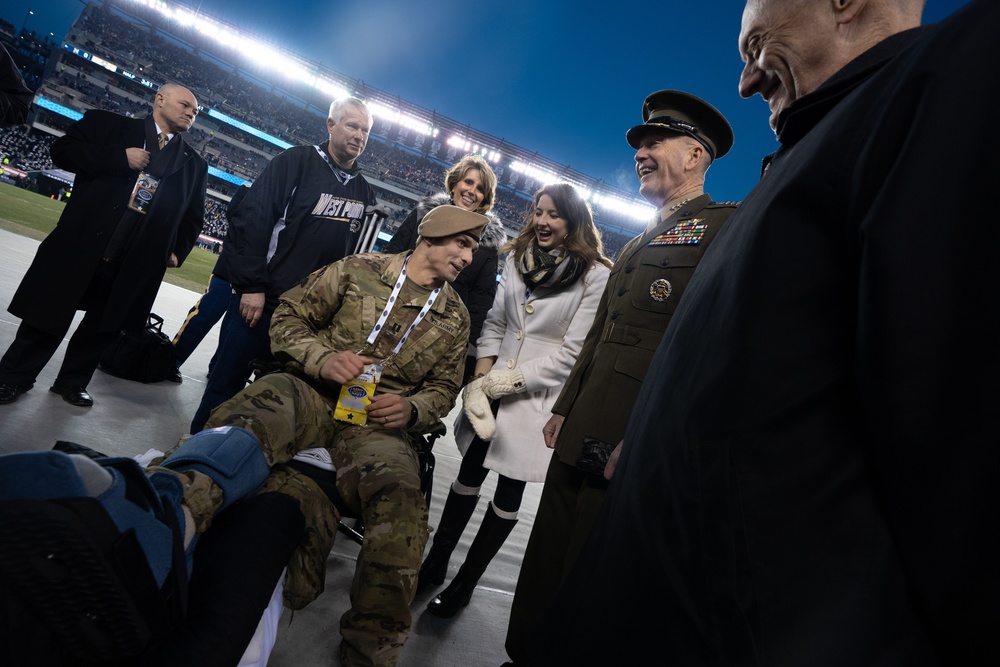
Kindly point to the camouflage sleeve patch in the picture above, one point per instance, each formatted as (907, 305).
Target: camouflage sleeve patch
(302, 312)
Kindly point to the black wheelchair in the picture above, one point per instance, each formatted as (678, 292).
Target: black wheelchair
(350, 523)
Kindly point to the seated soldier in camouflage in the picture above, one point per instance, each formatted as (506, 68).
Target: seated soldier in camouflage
(396, 311)
(399, 312)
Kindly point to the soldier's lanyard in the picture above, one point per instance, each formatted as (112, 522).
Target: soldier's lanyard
(373, 336)
(356, 395)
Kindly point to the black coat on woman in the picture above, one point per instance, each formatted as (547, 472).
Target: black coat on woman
(477, 283)
(55, 285)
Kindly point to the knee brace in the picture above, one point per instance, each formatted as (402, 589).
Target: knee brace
(132, 501)
(229, 455)
(103, 568)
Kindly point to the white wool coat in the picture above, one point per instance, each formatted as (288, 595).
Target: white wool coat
(541, 335)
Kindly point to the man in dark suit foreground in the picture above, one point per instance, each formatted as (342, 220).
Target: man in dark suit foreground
(138, 206)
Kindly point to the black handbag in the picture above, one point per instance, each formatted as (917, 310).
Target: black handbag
(145, 356)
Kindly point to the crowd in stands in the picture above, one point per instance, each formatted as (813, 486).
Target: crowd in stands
(215, 218)
(394, 165)
(94, 96)
(231, 158)
(28, 151)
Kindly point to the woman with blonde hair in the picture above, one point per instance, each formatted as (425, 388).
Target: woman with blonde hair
(554, 275)
(469, 184)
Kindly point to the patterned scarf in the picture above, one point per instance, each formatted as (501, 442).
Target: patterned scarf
(553, 268)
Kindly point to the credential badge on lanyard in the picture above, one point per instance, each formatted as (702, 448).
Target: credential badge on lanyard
(357, 394)
(142, 193)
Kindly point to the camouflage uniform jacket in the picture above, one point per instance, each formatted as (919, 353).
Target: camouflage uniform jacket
(337, 307)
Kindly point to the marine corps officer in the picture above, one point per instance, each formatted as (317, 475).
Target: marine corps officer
(681, 135)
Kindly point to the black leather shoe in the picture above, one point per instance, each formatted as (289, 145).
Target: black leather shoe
(174, 376)
(10, 392)
(77, 396)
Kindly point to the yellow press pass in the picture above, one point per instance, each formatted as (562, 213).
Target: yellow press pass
(356, 395)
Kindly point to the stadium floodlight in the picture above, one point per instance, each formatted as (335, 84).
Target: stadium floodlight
(227, 37)
(270, 57)
(614, 204)
(463, 144)
(417, 125)
(382, 111)
(386, 113)
(331, 89)
(184, 17)
(624, 208)
(413, 123)
(543, 176)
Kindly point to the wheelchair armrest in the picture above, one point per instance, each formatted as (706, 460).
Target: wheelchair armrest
(260, 367)
(424, 438)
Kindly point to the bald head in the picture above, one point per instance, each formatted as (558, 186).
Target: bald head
(791, 47)
(174, 108)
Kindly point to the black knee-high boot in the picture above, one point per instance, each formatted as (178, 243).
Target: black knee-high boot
(491, 536)
(455, 517)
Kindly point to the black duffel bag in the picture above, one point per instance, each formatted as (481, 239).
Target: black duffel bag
(145, 356)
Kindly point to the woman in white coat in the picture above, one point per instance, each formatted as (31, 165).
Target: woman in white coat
(554, 276)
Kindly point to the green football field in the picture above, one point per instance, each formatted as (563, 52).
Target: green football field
(30, 214)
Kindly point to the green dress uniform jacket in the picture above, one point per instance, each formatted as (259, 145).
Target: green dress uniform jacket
(645, 286)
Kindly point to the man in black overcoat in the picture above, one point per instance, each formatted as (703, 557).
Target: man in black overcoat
(104, 256)
(809, 474)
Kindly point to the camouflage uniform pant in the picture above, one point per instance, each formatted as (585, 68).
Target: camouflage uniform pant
(377, 476)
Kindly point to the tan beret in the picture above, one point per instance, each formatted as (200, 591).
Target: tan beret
(447, 220)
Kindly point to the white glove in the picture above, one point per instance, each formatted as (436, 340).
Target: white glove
(477, 410)
(503, 383)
